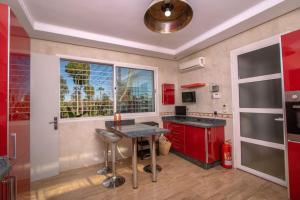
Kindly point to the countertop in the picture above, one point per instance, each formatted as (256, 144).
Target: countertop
(4, 167)
(195, 121)
(137, 130)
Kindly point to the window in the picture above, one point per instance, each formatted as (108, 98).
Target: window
(135, 90)
(87, 89)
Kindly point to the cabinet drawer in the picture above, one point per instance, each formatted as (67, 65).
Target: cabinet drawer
(178, 147)
(178, 128)
(178, 140)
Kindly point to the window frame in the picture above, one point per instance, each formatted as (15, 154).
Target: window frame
(115, 64)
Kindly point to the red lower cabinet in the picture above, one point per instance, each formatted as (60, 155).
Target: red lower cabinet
(167, 125)
(294, 170)
(195, 143)
(215, 141)
(201, 144)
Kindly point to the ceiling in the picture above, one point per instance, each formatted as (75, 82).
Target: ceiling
(118, 24)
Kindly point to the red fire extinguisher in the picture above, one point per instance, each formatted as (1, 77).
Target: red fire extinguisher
(226, 155)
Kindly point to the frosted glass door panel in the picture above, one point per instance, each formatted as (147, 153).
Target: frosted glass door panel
(261, 126)
(264, 159)
(261, 94)
(260, 62)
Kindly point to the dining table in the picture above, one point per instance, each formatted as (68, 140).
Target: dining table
(135, 131)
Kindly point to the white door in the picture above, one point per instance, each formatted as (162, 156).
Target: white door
(258, 110)
(44, 143)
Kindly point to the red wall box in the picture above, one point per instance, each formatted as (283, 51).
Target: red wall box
(168, 94)
(291, 60)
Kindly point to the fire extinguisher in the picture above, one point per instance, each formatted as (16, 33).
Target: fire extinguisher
(226, 155)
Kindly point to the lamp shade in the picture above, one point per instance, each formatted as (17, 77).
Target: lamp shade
(167, 16)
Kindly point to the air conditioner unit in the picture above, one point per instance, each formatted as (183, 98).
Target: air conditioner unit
(192, 64)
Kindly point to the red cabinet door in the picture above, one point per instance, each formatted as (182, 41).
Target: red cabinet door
(168, 94)
(167, 125)
(294, 170)
(178, 137)
(291, 60)
(215, 140)
(195, 143)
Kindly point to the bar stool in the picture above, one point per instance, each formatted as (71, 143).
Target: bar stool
(111, 138)
(106, 169)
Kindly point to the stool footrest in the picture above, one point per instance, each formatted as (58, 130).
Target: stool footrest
(104, 171)
(113, 182)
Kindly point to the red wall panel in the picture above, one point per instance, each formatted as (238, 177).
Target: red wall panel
(3, 77)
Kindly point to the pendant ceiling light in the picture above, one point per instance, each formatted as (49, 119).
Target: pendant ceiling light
(167, 16)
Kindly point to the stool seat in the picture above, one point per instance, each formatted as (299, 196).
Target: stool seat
(107, 136)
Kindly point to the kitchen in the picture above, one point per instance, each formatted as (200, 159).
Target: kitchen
(221, 83)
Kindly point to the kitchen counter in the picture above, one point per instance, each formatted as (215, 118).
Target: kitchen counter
(195, 121)
(4, 167)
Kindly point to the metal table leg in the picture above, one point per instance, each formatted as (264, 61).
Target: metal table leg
(134, 164)
(153, 157)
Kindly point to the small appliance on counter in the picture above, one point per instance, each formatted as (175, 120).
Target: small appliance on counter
(180, 110)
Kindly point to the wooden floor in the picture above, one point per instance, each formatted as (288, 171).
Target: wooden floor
(179, 180)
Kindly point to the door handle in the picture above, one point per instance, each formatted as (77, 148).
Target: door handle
(279, 119)
(55, 123)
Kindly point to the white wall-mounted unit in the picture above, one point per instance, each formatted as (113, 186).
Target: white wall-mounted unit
(195, 63)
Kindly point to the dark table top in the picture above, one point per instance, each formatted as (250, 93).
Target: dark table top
(137, 130)
(4, 167)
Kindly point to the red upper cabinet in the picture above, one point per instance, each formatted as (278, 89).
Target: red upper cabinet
(3, 77)
(15, 96)
(291, 60)
(168, 94)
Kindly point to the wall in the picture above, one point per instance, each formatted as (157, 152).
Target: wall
(86, 149)
(218, 66)
(79, 145)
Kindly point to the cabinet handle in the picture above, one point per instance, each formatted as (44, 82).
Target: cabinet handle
(209, 139)
(279, 119)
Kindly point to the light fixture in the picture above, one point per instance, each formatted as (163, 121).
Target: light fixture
(167, 16)
(167, 9)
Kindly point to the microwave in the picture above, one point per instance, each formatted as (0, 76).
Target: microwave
(188, 97)
(292, 109)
